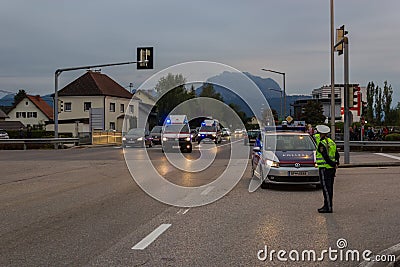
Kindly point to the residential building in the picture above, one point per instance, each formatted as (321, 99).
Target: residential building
(95, 101)
(3, 115)
(31, 111)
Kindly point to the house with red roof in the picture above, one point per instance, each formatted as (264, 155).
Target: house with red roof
(31, 111)
(94, 101)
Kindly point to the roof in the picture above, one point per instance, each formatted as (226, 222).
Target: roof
(94, 84)
(3, 115)
(11, 125)
(41, 104)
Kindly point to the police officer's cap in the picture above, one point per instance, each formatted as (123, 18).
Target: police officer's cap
(323, 129)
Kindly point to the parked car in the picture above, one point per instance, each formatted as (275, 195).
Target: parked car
(251, 136)
(3, 134)
(137, 137)
(155, 135)
(292, 161)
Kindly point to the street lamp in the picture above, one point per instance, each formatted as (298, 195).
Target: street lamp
(284, 88)
(280, 91)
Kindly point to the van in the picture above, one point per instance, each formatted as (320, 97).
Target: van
(210, 130)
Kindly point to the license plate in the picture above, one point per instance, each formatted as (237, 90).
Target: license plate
(131, 142)
(176, 147)
(298, 173)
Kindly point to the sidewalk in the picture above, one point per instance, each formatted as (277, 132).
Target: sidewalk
(370, 159)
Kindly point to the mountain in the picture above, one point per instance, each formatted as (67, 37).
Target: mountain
(269, 88)
(7, 100)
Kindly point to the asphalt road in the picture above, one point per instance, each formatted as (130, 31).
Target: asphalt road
(81, 207)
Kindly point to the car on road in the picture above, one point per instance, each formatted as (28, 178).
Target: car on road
(137, 137)
(3, 134)
(238, 131)
(251, 136)
(226, 132)
(155, 135)
(210, 130)
(285, 158)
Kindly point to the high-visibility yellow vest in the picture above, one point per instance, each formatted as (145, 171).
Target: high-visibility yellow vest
(330, 148)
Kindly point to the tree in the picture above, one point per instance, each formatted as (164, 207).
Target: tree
(174, 92)
(378, 105)
(387, 101)
(239, 112)
(313, 113)
(209, 91)
(370, 101)
(19, 96)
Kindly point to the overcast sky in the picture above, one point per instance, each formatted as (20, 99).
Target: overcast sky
(291, 36)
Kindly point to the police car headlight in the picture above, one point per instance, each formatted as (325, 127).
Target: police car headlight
(140, 139)
(188, 138)
(124, 138)
(273, 164)
(164, 139)
(214, 135)
(315, 165)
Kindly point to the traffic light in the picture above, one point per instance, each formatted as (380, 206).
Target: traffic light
(340, 33)
(60, 105)
(144, 57)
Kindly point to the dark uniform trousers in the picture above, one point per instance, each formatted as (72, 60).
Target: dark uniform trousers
(327, 177)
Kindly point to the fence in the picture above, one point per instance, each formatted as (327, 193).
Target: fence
(56, 141)
(105, 137)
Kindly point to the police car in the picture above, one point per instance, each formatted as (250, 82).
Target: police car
(176, 134)
(285, 157)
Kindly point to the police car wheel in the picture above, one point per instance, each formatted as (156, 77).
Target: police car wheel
(265, 185)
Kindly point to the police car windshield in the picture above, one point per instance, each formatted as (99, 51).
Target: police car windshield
(206, 128)
(291, 142)
(176, 128)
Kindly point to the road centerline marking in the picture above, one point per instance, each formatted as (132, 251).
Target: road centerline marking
(387, 155)
(145, 242)
(185, 211)
(207, 190)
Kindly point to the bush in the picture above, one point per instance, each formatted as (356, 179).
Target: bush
(392, 137)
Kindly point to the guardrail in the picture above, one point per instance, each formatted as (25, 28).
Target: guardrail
(55, 141)
(373, 144)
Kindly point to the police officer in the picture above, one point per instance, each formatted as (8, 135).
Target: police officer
(327, 158)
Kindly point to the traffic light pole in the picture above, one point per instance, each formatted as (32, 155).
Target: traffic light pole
(346, 101)
(58, 73)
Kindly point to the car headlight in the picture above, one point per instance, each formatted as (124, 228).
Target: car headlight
(124, 138)
(140, 139)
(315, 165)
(273, 164)
(164, 139)
(214, 135)
(188, 138)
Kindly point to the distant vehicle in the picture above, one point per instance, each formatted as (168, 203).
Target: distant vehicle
(291, 162)
(251, 136)
(210, 130)
(238, 131)
(137, 137)
(176, 134)
(155, 135)
(194, 133)
(3, 134)
(226, 132)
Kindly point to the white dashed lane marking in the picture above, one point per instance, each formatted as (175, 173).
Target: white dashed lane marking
(145, 242)
(207, 190)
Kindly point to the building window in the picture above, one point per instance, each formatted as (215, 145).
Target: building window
(67, 106)
(122, 109)
(87, 106)
(32, 115)
(131, 109)
(112, 125)
(26, 103)
(112, 107)
(21, 114)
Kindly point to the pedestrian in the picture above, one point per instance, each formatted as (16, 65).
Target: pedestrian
(327, 159)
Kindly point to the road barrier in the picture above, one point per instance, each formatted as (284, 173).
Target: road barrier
(56, 141)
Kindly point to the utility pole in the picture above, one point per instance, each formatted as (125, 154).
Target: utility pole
(333, 130)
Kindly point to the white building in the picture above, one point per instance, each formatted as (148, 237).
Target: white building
(323, 95)
(31, 111)
(95, 101)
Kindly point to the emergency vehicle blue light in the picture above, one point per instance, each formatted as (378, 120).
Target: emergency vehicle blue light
(168, 121)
